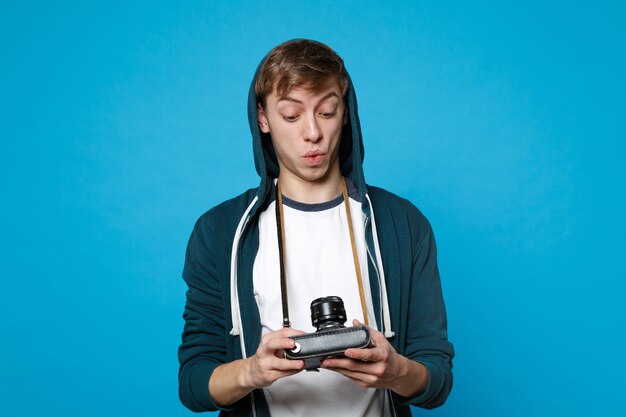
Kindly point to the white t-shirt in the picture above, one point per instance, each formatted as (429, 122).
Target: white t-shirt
(319, 263)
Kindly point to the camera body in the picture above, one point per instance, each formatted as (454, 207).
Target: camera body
(331, 339)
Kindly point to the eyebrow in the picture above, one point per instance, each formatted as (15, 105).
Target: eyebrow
(293, 100)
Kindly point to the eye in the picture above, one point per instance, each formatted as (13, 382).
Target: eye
(328, 115)
(290, 118)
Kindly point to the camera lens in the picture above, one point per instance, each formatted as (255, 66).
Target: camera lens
(328, 312)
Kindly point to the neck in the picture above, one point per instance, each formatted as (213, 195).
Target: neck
(311, 192)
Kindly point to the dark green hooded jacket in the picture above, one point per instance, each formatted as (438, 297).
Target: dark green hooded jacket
(222, 321)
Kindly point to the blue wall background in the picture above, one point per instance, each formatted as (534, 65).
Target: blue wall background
(122, 122)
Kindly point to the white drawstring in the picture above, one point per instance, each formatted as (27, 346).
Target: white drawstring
(381, 272)
(234, 296)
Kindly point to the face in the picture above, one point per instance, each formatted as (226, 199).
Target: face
(306, 130)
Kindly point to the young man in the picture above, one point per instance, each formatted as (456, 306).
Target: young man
(314, 223)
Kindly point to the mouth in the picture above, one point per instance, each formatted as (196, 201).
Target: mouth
(314, 157)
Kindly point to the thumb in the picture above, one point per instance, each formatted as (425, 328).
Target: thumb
(355, 322)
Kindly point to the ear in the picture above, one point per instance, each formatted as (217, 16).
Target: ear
(263, 123)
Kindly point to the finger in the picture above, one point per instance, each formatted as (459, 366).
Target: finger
(363, 379)
(368, 355)
(356, 322)
(281, 333)
(288, 331)
(288, 343)
(287, 365)
(276, 344)
(282, 374)
(272, 363)
(346, 364)
(377, 337)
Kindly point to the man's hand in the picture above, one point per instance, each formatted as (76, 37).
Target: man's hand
(232, 381)
(268, 363)
(381, 367)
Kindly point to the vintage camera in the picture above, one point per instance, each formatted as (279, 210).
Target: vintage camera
(331, 338)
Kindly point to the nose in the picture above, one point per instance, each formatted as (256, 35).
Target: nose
(312, 131)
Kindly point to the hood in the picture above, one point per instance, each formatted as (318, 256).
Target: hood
(351, 152)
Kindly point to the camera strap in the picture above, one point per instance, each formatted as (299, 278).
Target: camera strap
(280, 228)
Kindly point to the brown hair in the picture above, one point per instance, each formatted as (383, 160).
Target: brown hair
(299, 63)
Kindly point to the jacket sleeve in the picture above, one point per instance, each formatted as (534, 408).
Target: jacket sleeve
(427, 335)
(203, 346)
